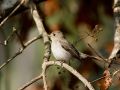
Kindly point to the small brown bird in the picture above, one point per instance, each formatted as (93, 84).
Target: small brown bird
(62, 49)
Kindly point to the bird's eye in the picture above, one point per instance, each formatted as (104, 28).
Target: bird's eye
(53, 34)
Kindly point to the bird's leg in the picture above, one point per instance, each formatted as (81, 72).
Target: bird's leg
(61, 61)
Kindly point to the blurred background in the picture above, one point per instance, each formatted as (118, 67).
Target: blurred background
(83, 22)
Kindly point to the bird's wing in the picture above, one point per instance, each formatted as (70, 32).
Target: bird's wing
(70, 48)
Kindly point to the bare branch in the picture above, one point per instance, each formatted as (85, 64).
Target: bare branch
(71, 70)
(31, 82)
(19, 52)
(93, 50)
(116, 47)
(97, 79)
(32, 40)
(4, 20)
(44, 77)
(10, 59)
(42, 31)
(97, 29)
(117, 71)
(46, 64)
(19, 37)
(8, 38)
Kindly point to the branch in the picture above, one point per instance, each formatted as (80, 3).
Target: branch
(46, 64)
(71, 70)
(116, 47)
(20, 51)
(15, 9)
(44, 76)
(31, 82)
(19, 37)
(115, 54)
(8, 38)
(42, 32)
(96, 53)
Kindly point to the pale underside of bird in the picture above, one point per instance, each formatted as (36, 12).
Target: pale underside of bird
(62, 49)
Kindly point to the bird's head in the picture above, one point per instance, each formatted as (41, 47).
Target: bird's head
(56, 35)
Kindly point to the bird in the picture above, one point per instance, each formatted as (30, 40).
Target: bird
(62, 49)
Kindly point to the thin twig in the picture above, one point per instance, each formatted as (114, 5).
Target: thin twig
(93, 50)
(95, 31)
(4, 20)
(98, 79)
(8, 38)
(115, 72)
(75, 42)
(19, 37)
(31, 82)
(32, 40)
(10, 59)
(19, 52)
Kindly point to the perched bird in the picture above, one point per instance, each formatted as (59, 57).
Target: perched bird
(62, 49)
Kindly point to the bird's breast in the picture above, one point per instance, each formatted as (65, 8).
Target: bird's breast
(59, 52)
